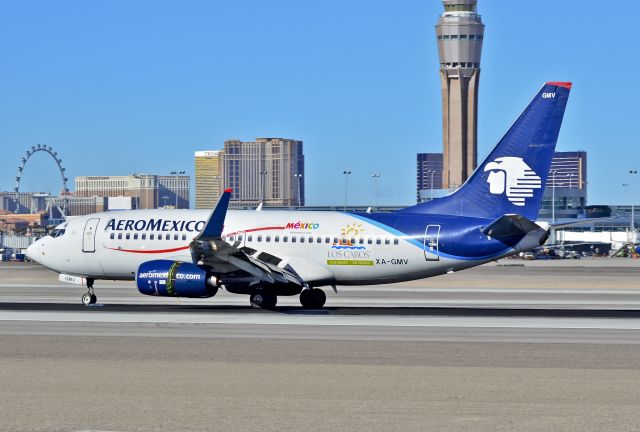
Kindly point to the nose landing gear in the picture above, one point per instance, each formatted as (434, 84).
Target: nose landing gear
(89, 298)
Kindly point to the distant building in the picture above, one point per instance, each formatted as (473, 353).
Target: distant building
(150, 191)
(267, 170)
(567, 183)
(428, 175)
(208, 178)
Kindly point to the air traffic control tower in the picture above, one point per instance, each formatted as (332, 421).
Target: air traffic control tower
(460, 32)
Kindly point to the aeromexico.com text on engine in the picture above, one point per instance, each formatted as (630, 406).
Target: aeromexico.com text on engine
(165, 275)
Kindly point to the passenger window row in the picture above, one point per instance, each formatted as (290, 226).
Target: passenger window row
(250, 238)
(143, 236)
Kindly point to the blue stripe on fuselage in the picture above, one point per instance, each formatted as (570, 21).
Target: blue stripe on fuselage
(460, 237)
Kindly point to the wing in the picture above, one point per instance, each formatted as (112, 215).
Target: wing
(209, 249)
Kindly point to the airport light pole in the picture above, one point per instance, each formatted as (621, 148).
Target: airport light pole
(346, 173)
(633, 215)
(375, 177)
(553, 195)
(177, 173)
(263, 178)
(432, 172)
(299, 177)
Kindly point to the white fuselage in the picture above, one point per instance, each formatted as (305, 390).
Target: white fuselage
(320, 246)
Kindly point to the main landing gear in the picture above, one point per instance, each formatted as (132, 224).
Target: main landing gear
(263, 299)
(89, 298)
(312, 298)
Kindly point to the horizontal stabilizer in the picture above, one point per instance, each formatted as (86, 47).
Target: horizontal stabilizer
(560, 225)
(510, 228)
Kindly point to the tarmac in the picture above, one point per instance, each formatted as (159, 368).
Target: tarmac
(517, 346)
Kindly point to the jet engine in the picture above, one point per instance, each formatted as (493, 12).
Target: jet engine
(166, 278)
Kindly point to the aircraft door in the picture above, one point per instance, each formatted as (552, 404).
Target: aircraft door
(431, 243)
(89, 235)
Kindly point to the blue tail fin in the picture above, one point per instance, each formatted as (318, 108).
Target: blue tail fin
(512, 178)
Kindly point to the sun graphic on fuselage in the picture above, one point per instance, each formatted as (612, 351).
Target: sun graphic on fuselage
(349, 232)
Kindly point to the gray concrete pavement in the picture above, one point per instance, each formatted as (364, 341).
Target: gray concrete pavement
(513, 348)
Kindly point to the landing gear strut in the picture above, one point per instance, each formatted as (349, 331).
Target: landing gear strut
(313, 298)
(89, 298)
(263, 299)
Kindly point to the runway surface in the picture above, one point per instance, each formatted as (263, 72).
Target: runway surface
(501, 347)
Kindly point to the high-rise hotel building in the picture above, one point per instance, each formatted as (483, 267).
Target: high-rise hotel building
(268, 171)
(208, 178)
(459, 34)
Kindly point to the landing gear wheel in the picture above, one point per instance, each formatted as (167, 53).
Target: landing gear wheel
(89, 299)
(313, 298)
(263, 300)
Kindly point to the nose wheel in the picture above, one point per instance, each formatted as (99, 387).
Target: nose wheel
(89, 298)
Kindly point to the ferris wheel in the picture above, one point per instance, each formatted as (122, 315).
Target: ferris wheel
(48, 150)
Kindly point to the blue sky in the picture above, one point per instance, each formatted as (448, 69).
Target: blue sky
(137, 86)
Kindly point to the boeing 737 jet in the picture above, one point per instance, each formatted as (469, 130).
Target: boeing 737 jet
(267, 254)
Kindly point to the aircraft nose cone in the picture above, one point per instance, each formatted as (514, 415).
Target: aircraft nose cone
(32, 251)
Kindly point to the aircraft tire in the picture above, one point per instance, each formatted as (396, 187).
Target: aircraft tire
(263, 300)
(86, 299)
(312, 298)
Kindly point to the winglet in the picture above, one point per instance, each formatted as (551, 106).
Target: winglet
(213, 228)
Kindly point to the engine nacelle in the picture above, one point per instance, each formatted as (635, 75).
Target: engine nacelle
(166, 278)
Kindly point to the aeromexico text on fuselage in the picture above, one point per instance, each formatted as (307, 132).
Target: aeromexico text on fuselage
(170, 225)
(155, 225)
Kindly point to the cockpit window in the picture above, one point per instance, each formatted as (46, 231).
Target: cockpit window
(57, 232)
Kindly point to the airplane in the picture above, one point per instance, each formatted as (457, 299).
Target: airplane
(267, 254)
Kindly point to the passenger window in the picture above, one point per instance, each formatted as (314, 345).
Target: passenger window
(175, 236)
(285, 239)
(343, 240)
(152, 236)
(327, 239)
(184, 236)
(267, 238)
(128, 236)
(319, 239)
(231, 238)
(276, 239)
(293, 239)
(369, 240)
(353, 240)
(378, 241)
(120, 236)
(259, 238)
(335, 240)
(361, 240)
(112, 236)
(135, 236)
(387, 241)
(239, 238)
(302, 239)
(310, 239)
(395, 241)
(143, 236)
(159, 236)
(249, 238)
